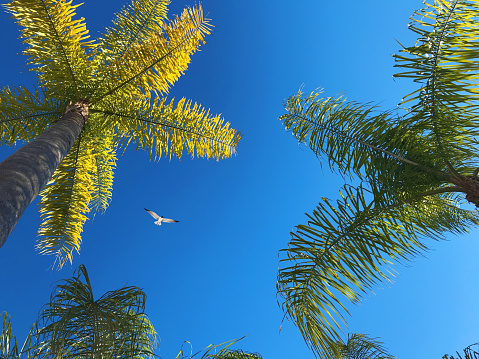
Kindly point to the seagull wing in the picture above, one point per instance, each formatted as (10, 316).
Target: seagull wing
(153, 214)
(168, 220)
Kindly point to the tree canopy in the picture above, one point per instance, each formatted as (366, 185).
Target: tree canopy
(413, 170)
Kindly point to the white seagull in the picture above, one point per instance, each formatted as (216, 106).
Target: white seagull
(160, 219)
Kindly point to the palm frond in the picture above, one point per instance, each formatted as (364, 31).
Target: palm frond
(65, 203)
(347, 248)
(385, 150)
(163, 128)
(105, 163)
(25, 115)
(8, 342)
(360, 346)
(56, 46)
(444, 61)
(74, 325)
(233, 354)
(154, 64)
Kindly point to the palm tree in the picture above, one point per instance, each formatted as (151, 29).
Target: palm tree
(414, 168)
(75, 325)
(94, 98)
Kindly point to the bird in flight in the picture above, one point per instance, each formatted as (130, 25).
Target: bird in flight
(160, 219)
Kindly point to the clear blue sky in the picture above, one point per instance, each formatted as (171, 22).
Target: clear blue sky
(211, 277)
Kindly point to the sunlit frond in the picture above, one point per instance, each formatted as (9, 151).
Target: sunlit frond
(56, 45)
(163, 128)
(347, 248)
(105, 163)
(75, 325)
(153, 65)
(65, 203)
(132, 25)
(445, 62)
(25, 115)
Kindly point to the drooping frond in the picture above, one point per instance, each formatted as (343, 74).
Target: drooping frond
(444, 61)
(56, 46)
(163, 128)
(75, 325)
(25, 115)
(154, 64)
(347, 248)
(105, 163)
(65, 203)
(385, 150)
(360, 346)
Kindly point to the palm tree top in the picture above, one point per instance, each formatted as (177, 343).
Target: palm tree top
(121, 81)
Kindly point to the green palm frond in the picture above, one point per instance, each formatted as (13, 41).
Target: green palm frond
(74, 325)
(56, 46)
(65, 203)
(8, 342)
(360, 346)
(347, 248)
(386, 151)
(165, 128)
(154, 64)
(233, 354)
(444, 62)
(25, 115)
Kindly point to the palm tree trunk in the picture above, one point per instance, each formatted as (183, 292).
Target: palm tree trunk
(28, 170)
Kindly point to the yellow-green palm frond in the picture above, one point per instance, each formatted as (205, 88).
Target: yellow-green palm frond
(56, 45)
(65, 203)
(381, 147)
(444, 61)
(25, 115)
(132, 25)
(348, 247)
(105, 164)
(154, 64)
(163, 128)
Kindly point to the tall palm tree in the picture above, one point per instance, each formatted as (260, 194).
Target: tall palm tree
(76, 325)
(415, 168)
(94, 98)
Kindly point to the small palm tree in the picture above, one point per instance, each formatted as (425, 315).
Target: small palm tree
(94, 98)
(360, 346)
(75, 325)
(416, 169)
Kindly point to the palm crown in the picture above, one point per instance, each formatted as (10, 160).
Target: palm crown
(412, 167)
(120, 82)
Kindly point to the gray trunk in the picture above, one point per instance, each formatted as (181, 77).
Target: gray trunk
(28, 170)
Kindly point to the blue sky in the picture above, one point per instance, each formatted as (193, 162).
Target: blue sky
(211, 278)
